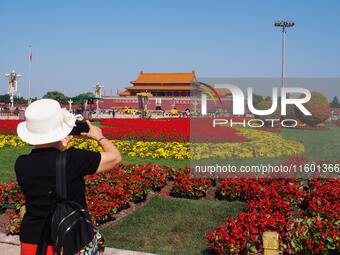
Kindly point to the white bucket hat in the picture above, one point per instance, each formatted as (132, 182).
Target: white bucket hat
(46, 122)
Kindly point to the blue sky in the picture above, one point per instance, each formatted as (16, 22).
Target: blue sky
(79, 43)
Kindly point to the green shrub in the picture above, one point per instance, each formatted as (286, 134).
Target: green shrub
(318, 106)
(265, 105)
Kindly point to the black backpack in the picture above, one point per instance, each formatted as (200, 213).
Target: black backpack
(68, 225)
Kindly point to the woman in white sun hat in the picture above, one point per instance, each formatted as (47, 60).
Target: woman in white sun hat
(47, 127)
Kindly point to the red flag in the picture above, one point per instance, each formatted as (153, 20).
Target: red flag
(31, 54)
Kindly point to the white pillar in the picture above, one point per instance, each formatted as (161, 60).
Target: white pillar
(70, 105)
(97, 108)
(204, 104)
(12, 102)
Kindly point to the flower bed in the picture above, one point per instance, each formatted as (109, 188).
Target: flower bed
(166, 130)
(302, 125)
(263, 144)
(243, 143)
(304, 213)
(109, 192)
(189, 187)
(174, 150)
(202, 130)
(161, 130)
(260, 144)
(169, 130)
(10, 141)
(9, 127)
(10, 195)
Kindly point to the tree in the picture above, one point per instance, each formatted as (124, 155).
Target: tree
(20, 100)
(17, 100)
(4, 98)
(86, 94)
(258, 98)
(335, 103)
(56, 95)
(82, 97)
(318, 106)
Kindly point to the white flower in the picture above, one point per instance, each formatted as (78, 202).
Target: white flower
(69, 118)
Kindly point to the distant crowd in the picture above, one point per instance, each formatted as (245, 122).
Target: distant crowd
(126, 111)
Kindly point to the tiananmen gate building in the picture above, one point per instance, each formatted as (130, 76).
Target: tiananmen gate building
(161, 84)
(168, 90)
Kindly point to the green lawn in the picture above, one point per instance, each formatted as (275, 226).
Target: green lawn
(97, 123)
(319, 144)
(7, 161)
(170, 226)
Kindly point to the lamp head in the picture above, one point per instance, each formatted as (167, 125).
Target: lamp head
(284, 23)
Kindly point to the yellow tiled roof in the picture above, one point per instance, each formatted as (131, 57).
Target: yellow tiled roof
(165, 78)
(159, 88)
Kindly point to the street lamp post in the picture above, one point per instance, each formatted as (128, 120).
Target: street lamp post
(283, 25)
(98, 95)
(12, 86)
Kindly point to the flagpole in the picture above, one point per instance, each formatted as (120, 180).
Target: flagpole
(29, 74)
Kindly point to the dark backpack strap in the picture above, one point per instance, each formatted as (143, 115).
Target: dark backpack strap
(44, 236)
(62, 193)
(61, 175)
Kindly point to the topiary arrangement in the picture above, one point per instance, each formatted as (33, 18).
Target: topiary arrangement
(318, 106)
(265, 105)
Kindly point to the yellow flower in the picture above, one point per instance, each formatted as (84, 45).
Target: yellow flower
(260, 144)
(11, 141)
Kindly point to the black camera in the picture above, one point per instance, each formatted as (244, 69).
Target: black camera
(81, 127)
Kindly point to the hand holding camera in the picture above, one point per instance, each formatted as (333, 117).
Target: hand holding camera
(85, 128)
(91, 131)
